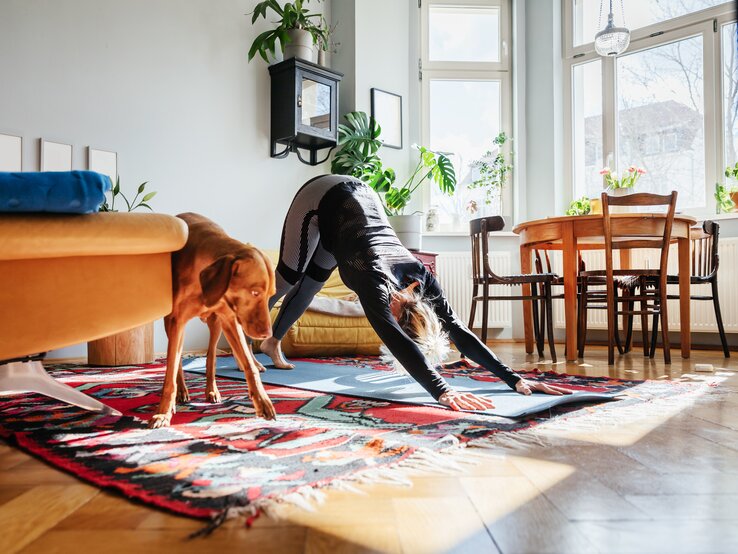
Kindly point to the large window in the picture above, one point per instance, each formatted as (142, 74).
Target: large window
(465, 98)
(659, 105)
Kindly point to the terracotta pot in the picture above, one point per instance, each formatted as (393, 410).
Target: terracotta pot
(134, 346)
(734, 198)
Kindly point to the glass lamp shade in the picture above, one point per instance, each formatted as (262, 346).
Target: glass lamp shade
(612, 41)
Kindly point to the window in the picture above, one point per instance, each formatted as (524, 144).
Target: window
(465, 95)
(658, 105)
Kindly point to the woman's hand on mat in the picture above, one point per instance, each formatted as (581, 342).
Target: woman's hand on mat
(528, 387)
(465, 401)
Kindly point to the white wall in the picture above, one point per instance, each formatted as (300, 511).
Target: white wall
(166, 84)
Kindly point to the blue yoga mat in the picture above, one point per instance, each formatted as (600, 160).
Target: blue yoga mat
(366, 382)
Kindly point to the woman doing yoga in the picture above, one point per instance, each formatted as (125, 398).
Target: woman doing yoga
(338, 221)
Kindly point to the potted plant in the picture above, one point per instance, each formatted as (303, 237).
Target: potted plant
(725, 196)
(582, 206)
(298, 31)
(358, 156)
(492, 170)
(134, 346)
(621, 186)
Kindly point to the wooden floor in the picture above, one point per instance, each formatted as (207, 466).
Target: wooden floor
(668, 484)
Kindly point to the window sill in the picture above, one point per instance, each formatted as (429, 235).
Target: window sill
(466, 234)
(729, 215)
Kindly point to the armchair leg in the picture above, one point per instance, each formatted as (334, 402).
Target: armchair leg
(539, 320)
(644, 316)
(19, 377)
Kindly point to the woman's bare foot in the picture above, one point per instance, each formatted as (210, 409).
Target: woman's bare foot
(273, 348)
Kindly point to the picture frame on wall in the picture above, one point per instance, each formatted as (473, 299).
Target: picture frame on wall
(103, 161)
(387, 112)
(11, 153)
(55, 156)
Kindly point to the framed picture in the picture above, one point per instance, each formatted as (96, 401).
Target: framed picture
(55, 156)
(11, 153)
(387, 112)
(103, 161)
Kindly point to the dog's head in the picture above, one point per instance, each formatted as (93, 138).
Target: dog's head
(245, 283)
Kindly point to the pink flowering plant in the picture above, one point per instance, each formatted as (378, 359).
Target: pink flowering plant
(627, 181)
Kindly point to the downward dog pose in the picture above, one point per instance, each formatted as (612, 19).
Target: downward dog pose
(338, 221)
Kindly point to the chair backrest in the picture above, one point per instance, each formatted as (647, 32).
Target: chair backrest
(479, 230)
(634, 238)
(705, 257)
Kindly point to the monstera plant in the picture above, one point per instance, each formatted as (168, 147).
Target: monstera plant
(360, 143)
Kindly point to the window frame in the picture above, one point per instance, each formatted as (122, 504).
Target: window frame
(707, 23)
(468, 71)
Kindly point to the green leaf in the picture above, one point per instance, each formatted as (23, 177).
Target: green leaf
(142, 186)
(444, 174)
(149, 196)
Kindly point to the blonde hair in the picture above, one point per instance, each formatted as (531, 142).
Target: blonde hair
(419, 321)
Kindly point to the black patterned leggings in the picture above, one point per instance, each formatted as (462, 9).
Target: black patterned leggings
(304, 265)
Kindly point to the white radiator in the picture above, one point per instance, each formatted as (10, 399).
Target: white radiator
(702, 313)
(455, 275)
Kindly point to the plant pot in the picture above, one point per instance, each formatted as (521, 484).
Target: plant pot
(134, 346)
(734, 198)
(408, 229)
(621, 192)
(300, 45)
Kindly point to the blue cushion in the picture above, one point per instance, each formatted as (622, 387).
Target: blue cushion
(73, 192)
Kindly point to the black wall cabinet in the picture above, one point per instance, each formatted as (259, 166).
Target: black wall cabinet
(304, 109)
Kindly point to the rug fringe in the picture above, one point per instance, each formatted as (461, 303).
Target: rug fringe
(452, 459)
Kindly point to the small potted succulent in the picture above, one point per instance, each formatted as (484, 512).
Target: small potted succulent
(298, 31)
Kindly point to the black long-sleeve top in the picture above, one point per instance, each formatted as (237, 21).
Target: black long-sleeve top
(373, 263)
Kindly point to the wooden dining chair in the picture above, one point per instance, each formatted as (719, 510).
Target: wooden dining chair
(651, 298)
(705, 261)
(484, 278)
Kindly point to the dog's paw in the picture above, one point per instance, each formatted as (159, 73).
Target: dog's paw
(183, 396)
(213, 396)
(264, 407)
(160, 420)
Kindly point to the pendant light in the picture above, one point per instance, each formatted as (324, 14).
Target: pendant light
(612, 40)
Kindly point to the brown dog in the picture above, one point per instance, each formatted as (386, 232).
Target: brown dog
(228, 285)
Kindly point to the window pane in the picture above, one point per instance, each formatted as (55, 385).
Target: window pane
(464, 118)
(730, 93)
(588, 18)
(587, 129)
(661, 119)
(463, 34)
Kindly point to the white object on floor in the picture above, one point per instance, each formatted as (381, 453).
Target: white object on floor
(20, 377)
(704, 368)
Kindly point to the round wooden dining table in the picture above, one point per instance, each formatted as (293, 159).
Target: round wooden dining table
(570, 234)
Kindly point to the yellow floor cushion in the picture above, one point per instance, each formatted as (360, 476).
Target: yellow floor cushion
(319, 334)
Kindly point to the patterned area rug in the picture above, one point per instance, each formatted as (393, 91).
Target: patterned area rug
(219, 459)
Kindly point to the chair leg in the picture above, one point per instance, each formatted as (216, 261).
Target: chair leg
(537, 321)
(644, 315)
(619, 344)
(485, 313)
(549, 321)
(473, 310)
(664, 325)
(629, 325)
(611, 323)
(654, 334)
(719, 318)
(582, 326)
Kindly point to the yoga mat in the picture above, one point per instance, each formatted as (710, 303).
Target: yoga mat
(366, 382)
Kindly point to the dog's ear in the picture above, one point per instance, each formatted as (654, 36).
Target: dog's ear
(215, 279)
